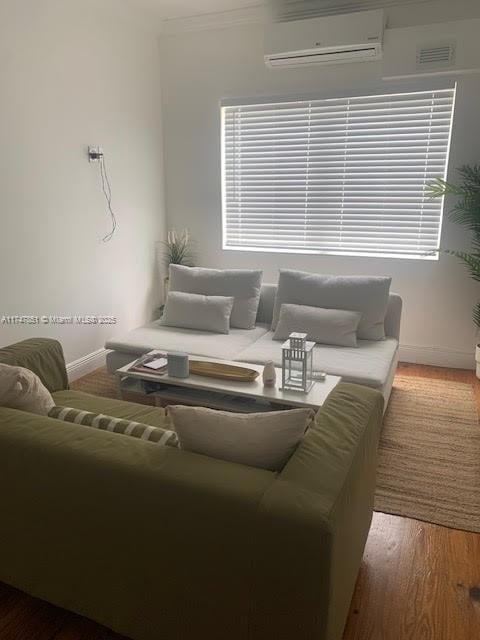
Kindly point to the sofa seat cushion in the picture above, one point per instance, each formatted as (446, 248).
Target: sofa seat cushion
(194, 342)
(153, 416)
(369, 363)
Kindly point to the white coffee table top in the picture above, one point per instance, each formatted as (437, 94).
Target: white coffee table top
(314, 398)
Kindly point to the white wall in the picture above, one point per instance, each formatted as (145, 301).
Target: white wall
(201, 68)
(73, 73)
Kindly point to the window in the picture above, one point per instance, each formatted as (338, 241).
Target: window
(344, 176)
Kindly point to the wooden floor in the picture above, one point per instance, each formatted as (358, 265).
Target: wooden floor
(418, 581)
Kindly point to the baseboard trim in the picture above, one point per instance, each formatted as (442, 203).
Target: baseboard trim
(86, 364)
(437, 357)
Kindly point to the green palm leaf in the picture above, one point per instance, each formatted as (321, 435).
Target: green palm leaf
(467, 213)
(476, 314)
(471, 260)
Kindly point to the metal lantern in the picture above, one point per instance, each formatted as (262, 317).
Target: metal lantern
(297, 363)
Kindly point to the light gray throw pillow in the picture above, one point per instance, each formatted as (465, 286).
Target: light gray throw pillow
(264, 440)
(193, 311)
(326, 326)
(366, 294)
(242, 284)
(22, 389)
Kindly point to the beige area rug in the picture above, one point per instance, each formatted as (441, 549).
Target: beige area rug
(429, 463)
(99, 383)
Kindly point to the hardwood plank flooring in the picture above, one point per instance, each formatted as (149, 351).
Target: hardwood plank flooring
(418, 581)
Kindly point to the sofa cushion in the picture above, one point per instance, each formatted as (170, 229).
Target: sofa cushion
(325, 326)
(196, 311)
(198, 343)
(22, 389)
(122, 426)
(243, 284)
(266, 303)
(154, 416)
(369, 363)
(366, 294)
(263, 440)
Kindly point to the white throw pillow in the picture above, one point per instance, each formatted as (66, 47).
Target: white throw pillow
(193, 311)
(264, 440)
(22, 389)
(366, 294)
(325, 326)
(242, 284)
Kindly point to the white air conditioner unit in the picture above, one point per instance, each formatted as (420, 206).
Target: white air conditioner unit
(354, 37)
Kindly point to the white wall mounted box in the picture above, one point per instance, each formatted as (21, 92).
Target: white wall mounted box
(441, 49)
(356, 37)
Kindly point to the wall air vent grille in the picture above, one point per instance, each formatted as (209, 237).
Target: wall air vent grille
(436, 56)
(286, 10)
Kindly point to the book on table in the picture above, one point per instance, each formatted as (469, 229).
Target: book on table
(155, 362)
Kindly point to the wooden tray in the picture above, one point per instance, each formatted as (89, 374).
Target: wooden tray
(222, 371)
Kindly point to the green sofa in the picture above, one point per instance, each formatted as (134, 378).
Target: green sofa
(158, 543)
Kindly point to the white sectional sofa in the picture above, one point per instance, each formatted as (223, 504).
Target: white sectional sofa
(372, 363)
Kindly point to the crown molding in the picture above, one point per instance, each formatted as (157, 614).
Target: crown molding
(217, 20)
(399, 15)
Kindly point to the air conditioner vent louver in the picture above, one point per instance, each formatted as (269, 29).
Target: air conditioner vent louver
(286, 10)
(436, 56)
(346, 54)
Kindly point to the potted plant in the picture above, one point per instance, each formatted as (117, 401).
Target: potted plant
(467, 213)
(177, 249)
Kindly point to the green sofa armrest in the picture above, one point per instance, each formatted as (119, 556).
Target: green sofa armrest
(315, 522)
(43, 356)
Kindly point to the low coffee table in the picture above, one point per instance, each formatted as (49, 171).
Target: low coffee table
(246, 397)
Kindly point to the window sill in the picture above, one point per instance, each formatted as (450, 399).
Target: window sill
(434, 256)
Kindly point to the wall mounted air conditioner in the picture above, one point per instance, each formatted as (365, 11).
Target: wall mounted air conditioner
(355, 37)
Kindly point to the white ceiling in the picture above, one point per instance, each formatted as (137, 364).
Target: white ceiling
(171, 9)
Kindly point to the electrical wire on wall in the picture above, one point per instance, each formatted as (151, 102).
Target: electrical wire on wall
(107, 192)
(95, 154)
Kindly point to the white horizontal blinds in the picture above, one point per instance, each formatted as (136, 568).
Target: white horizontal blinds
(344, 175)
